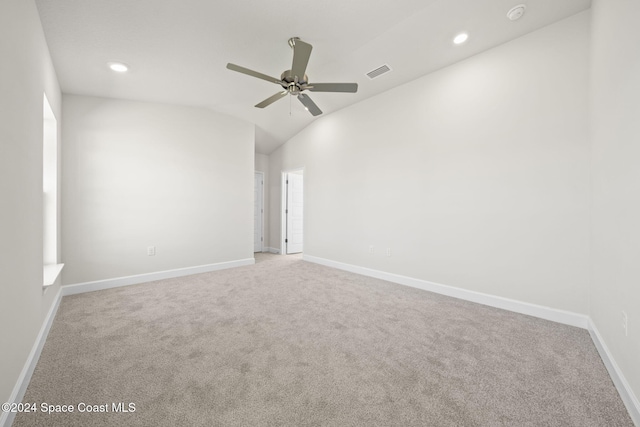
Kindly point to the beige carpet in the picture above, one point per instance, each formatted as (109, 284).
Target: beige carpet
(290, 343)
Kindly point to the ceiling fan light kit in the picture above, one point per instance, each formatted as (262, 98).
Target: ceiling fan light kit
(295, 81)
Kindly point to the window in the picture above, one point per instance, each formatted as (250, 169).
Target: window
(51, 269)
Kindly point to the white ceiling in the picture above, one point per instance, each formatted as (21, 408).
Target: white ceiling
(177, 50)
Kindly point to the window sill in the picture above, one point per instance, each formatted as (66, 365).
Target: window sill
(50, 274)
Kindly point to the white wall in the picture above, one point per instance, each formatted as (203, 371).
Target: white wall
(262, 165)
(476, 176)
(615, 120)
(26, 72)
(144, 174)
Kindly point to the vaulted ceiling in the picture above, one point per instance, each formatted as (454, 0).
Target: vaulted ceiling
(177, 51)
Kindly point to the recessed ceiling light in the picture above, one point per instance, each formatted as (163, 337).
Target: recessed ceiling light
(118, 67)
(516, 12)
(461, 38)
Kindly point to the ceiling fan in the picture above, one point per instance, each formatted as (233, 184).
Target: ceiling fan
(295, 81)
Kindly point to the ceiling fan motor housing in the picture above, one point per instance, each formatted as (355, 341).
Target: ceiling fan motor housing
(292, 84)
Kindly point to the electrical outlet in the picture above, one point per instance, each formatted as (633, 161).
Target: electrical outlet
(151, 250)
(372, 250)
(625, 323)
(388, 251)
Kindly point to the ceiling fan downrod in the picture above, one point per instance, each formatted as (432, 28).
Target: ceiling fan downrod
(292, 41)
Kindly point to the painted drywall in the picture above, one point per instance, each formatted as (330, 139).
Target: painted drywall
(142, 174)
(615, 91)
(475, 176)
(26, 72)
(262, 165)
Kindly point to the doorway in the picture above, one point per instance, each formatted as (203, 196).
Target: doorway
(292, 211)
(258, 212)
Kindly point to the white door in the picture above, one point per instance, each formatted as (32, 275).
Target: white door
(258, 209)
(294, 212)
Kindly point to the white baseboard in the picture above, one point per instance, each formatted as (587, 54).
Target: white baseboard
(99, 285)
(6, 418)
(272, 250)
(626, 393)
(547, 313)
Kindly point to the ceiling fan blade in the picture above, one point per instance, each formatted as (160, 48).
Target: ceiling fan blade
(301, 53)
(270, 100)
(234, 67)
(309, 104)
(333, 87)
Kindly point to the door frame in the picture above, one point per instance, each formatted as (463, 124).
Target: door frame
(261, 209)
(283, 205)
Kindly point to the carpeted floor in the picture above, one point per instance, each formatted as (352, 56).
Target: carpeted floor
(289, 343)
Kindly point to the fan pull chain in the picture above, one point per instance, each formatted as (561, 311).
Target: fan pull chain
(289, 104)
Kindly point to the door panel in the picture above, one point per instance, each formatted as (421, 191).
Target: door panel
(257, 211)
(295, 198)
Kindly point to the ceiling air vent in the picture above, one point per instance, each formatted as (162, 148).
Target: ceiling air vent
(378, 71)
